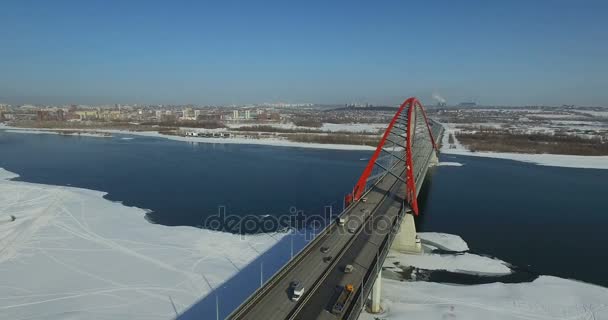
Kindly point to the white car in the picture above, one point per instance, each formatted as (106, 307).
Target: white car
(348, 268)
(298, 290)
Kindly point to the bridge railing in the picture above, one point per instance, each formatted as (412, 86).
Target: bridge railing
(371, 275)
(277, 276)
(360, 297)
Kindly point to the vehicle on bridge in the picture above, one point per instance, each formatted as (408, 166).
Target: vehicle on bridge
(343, 299)
(349, 268)
(297, 290)
(341, 265)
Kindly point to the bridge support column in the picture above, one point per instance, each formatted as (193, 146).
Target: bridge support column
(376, 293)
(406, 240)
(434, 159)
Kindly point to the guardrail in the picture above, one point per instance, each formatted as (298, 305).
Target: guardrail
(360, 298)
(320, 280)
(277, 276)
(354, 310)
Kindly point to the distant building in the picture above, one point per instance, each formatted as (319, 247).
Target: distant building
(247, 114)
(467, 104)
(111, 115)
(187, 113)
(43, 115)
(235, 114)
(269, 116)
(87, 114)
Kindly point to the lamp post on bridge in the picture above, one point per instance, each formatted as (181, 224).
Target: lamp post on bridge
(262, 274)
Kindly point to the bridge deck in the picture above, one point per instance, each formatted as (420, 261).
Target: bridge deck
(275, 303)
(322, 279)
(361, 254)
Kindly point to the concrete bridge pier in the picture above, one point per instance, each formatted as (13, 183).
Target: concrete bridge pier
(406, 240)
(376, 290)
(434, 159)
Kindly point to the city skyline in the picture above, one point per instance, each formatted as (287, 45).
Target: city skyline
(512, 53)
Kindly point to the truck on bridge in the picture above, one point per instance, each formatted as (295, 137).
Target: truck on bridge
(387, 190)
(343, 298)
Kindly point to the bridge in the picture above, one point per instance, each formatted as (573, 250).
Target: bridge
(379, 216)
(341, 267)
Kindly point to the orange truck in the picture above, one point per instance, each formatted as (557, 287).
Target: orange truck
(345, 295)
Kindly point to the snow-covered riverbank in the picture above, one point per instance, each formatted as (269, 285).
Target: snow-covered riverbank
(271, 141)
(546, 297)
(554, 160)
(70, 253)
(95, 134)
(542, 299)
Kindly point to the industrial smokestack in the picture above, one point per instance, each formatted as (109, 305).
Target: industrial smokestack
(438, 98)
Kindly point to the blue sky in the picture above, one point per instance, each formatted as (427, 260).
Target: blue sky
(222, 52)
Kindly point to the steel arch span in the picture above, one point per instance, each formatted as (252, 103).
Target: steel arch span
(401, 152)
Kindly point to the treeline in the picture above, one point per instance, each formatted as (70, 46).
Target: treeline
(505, 141)
(114, 125)
(263, 128)
(353, 139)
(306, 122)
(206, 124)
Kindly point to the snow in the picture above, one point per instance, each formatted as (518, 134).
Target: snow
(71, 254)
(555, 160)
(265, 141)
(554, 116)
(78, 134)
(443, 241)
(7, 175)
(546, 297)
(455, 261)
(450, 164)
(543, 299)
(327, 127)
(354, 127)
(466, 263)
(603, 113)
(552, 160)
(288, 125)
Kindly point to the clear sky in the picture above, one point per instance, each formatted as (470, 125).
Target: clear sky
(221, 52)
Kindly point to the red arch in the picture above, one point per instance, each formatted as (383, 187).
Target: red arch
(410, 104)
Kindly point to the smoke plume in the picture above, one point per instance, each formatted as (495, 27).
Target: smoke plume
(438, 98)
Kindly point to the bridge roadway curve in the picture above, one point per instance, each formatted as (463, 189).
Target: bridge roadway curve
(321, 279)
(361, 254)
(312, 270)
